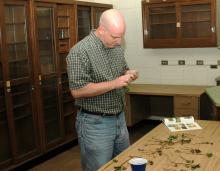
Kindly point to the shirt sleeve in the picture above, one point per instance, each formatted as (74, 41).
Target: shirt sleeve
(78, 69)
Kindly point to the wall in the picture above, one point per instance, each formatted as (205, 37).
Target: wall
(148, 61)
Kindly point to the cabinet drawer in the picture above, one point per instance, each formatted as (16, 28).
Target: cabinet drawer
(186, 102)
(186, 112)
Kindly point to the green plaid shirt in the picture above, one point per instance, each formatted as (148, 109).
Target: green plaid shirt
(89, 61)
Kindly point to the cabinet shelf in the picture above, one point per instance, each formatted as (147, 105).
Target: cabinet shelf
(84, 18)
(43, 15)
(15, 23)
(47, 107)
(63, 16)
(162, 13)
(18, 60)
(63, 27)
(196, 21)
(48, 121)
(162, 23)
(195, 11)
(22, 117)
(16, 43)
(65, 81)
(83, 27)
(68, 113)
(49, 39)
(65, 38)
(44, 28)
(48, 97)
(68, 101)
(21, 105)
(64, 72)
(19, 93)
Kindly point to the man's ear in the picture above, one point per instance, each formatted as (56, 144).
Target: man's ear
(101, 30)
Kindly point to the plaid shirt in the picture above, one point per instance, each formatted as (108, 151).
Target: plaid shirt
(89, 61)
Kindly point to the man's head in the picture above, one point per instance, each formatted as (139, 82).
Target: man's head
(111, 28)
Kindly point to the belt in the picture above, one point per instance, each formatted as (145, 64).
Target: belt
(99, 113)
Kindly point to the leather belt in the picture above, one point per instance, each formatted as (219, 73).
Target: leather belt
(98, 113)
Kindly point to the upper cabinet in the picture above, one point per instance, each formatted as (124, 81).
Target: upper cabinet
(88, 15)
(172, 24)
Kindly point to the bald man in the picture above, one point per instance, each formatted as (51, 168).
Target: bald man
(98, 75)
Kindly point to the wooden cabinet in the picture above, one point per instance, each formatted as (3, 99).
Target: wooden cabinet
(55, 35)
(88, 15)
(18, 113)
(37, 111)
(48, 73)
(179, 23)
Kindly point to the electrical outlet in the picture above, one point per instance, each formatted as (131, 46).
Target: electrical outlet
(213, 66)
(199, 62)
(181, 62)
(218, 62)
(164, 62)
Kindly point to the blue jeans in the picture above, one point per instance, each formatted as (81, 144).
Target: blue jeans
(101, 138)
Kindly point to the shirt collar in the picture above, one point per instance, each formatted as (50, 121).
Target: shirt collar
(97, 40)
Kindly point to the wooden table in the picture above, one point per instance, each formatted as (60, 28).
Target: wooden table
(207, 140)
(144, 100)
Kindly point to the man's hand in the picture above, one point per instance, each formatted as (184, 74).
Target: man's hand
(134, 74)
(95, 89)
(124, 80)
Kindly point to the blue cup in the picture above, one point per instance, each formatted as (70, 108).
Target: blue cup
(138, 164)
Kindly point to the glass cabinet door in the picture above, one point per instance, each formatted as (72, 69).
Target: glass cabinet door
(45, 30)
(160, 25)
(49, 82)
(162, 22)
(198, 24)
(5, 152)
(196, 21)
(84, 21)
(66, 17)
(20, 81)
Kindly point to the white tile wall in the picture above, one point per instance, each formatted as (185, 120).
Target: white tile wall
(147, 61)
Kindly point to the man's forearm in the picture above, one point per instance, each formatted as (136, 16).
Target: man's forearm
(93, 89)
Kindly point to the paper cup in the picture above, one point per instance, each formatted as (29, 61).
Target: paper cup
(138, 164)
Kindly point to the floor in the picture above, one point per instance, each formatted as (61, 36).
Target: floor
(69, 160)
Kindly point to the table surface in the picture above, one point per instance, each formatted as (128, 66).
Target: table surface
(166, 90)
(175, 157)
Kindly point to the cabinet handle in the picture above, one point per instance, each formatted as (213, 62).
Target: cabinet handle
(178, 24)
(32, 88)
(145, 32)
(39, 78)
(213, 29)
(59, 81)
(8, 86)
